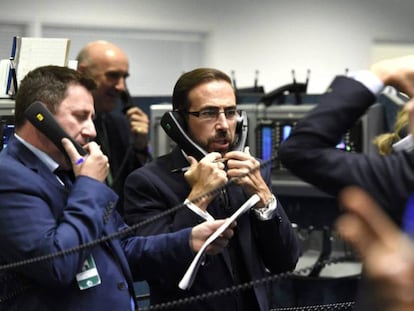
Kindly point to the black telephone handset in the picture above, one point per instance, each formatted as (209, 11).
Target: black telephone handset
(174, 125)
(241, 132)
(44, 121)
(126, 100)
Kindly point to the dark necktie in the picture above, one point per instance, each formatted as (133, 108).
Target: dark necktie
(67, 177)
(224, 199)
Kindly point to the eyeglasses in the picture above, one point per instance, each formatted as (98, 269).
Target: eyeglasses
(212, 113)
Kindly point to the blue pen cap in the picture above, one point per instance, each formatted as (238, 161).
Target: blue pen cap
(408, 219)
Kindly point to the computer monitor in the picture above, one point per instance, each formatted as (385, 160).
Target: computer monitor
(6, 121)
(279, 121)
(6, 131)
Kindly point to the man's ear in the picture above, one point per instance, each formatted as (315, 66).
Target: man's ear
(82, 68)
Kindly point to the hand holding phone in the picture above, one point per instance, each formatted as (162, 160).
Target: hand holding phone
(95, 165)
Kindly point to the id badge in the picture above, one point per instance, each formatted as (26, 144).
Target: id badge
(89, 276)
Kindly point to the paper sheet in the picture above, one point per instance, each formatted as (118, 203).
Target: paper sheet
(191, 272)
(35, 52)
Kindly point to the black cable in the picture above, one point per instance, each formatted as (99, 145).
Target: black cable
(208, 295)
(131, 229)
(245, 286)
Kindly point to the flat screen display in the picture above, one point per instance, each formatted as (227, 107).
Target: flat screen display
(287, 129)
(8, 131)
(267, 142)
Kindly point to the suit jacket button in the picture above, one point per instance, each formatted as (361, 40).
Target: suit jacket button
(122, 286)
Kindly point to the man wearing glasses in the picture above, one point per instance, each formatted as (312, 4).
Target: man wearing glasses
(264, 242)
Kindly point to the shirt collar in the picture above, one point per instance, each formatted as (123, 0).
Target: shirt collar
(44, 157)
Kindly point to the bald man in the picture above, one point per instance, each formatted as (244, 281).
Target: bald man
(123, 138)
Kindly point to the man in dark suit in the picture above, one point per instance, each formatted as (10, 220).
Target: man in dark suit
(43, 212)
(310, 151)
(264, 241)
(122, 137)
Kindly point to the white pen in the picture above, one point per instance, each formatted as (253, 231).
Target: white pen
(180, 169)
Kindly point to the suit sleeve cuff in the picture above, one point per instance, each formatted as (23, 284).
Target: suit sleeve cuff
(369, 80)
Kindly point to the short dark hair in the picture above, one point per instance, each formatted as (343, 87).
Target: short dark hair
(49, 85)
(189, 81)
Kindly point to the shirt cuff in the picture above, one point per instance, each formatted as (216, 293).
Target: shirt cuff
(266, 213)
(369, 80)
(203, 214)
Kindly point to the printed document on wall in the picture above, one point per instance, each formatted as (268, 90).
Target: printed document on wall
(29, 53)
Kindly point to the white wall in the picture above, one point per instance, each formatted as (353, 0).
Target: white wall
(272, 36)
(326, 36)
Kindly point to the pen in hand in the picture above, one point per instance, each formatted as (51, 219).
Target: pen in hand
(180, 169)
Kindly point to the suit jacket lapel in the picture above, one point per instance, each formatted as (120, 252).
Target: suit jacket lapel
(31, 161)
